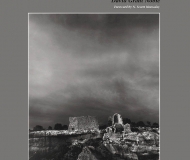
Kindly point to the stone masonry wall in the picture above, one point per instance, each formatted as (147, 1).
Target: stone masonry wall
(83, 123)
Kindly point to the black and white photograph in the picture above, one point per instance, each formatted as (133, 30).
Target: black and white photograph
(94, 86)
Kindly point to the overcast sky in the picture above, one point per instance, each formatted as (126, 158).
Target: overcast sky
(93, 64)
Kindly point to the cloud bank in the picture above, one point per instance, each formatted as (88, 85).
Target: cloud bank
(93, 64)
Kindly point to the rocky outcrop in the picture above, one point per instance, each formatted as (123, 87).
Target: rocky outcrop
(51, 133)
(101, 152)
(87, 154)
(116, 142)
(121, 141)
(45, 144)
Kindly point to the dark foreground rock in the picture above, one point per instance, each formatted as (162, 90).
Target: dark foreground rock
(115, 147)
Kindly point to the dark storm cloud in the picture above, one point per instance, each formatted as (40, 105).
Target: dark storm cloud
(93, 65)
(106, 22)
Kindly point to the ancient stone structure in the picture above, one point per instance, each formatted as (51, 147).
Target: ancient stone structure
(118, 128)
(117, 119)
(117, 131)
(83, 123)
(127, 128)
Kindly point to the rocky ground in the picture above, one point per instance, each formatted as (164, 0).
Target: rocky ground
(143, 145)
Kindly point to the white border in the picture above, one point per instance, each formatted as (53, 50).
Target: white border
(96, 13)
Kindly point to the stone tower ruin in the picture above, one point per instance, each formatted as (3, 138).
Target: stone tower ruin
(83, 123)
(117, 119)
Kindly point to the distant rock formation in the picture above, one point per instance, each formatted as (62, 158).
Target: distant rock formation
(83, 123)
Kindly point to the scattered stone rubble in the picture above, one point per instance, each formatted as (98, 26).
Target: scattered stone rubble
(130, 144)
(122, 143)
